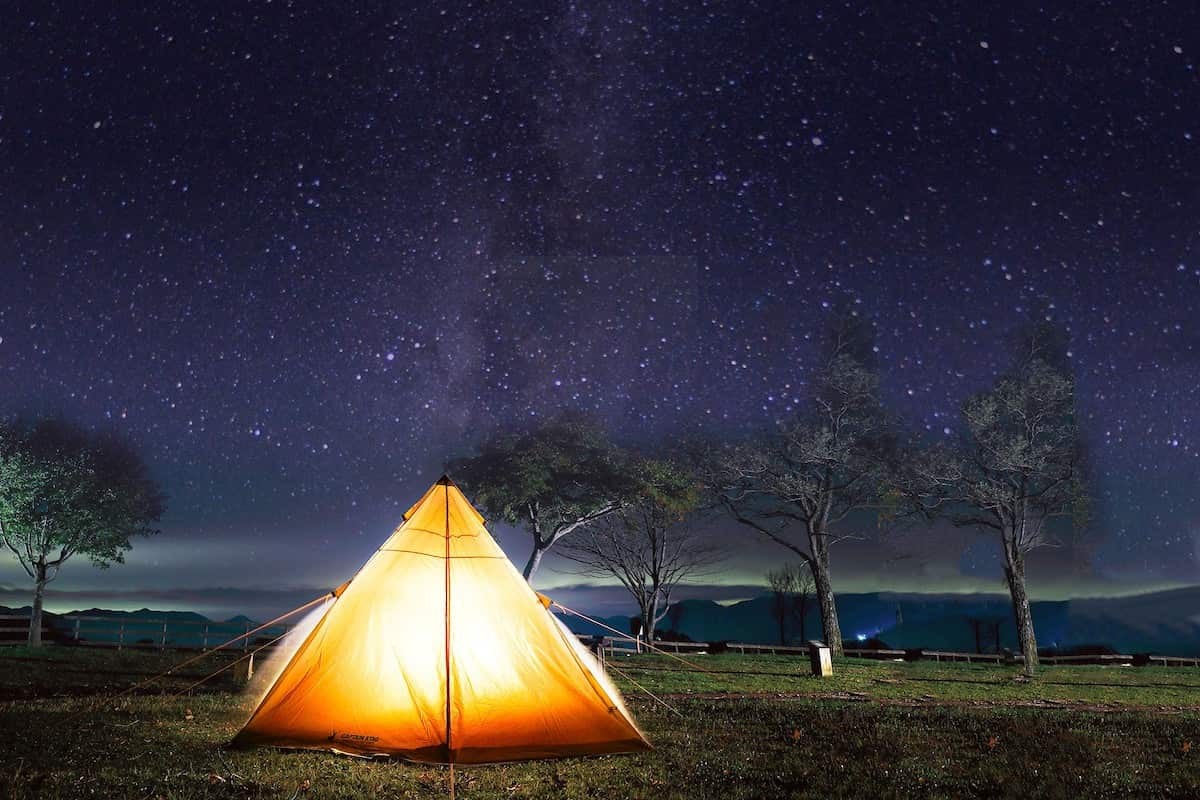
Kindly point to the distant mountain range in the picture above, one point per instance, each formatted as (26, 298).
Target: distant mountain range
(1166, 623)
(144, 626)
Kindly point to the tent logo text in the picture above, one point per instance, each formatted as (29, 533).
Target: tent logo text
(351, 737)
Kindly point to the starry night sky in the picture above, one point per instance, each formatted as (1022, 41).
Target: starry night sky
(304, 257)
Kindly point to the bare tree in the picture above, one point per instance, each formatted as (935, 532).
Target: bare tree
(1018, 468)
(801, 597)
(819, 468)
(791, 587)
(984, 627)
(647, 544)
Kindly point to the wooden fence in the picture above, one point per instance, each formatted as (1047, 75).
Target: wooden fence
(1112, 659)
(614, 645)
(183, 634)
(138, 633)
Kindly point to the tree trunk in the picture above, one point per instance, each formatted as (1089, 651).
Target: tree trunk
(35, 618)
(1014, 573)
(535, 558)
(651, 613)
(824, 592)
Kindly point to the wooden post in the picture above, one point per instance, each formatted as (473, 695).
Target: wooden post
(204, 638)
(162, 640)
(77, 630)
(244, 669)
(246, 639)
(121, 636)
(819, 659)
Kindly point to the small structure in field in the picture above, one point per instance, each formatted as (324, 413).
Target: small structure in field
(820, 659)
(243, 670)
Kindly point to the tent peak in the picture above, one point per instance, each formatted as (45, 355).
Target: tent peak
(445, 480)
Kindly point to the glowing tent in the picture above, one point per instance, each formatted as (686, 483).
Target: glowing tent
(439, 651)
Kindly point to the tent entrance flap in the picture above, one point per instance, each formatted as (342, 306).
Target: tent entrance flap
(439, 651)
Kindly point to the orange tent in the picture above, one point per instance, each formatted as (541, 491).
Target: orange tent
(439, 651)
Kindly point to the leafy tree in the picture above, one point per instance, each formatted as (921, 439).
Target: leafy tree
(647, 543)
(551, 480)
(1019, 466)
(65, 492)
(818, 468)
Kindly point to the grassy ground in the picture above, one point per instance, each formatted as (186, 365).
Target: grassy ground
(751, 727)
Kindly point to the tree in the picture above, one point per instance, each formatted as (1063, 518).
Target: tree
(780, 583)
(65, 492)
(647, 543)
(1019, 466)
(551, 480)
(983, 627)
(818, 468)
(791, 587)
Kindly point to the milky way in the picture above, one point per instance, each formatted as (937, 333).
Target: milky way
(306, 256)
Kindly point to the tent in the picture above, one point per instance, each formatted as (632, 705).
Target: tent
(439, 651)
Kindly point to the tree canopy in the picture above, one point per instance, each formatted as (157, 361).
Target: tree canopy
(550, 479)
(67, 492)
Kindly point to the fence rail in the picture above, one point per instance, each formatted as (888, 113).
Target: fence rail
(614, 645)
(136, 633)
(185, 634)
(1001, 658)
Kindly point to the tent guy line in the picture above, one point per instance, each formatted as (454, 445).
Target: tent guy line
(187, 662)
(230, 665)
(649, 645)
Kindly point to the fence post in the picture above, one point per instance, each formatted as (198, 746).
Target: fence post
(121, 636)
(162, 642)
(77, 630)
(246, 639)
(204, 638)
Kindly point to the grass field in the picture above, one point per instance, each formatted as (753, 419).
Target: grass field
(747, 727)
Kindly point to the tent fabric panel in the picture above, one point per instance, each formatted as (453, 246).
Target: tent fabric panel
(428, 493)
(429, 543)
(425, 528)
(371, 678)
(458, 499)
(372, 674)
(518, 685)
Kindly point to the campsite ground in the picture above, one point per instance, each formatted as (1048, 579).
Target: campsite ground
(747, 727)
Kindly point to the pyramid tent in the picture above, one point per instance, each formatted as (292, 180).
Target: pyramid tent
(439, 651)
